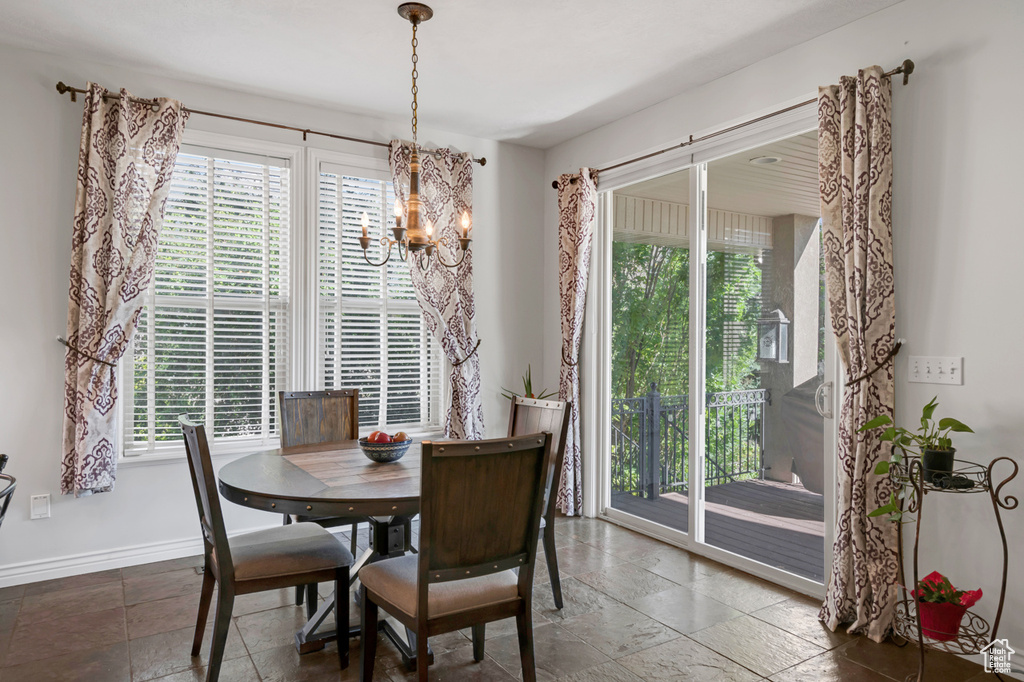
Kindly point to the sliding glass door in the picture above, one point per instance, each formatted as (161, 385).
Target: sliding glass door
(650, 316)
(718, 357)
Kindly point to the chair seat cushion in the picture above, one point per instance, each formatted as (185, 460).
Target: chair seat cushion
(286, 550)
(395, 581)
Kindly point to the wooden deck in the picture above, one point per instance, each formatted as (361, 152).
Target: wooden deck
(778, 524)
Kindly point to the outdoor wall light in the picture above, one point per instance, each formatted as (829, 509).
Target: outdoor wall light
(773, 337)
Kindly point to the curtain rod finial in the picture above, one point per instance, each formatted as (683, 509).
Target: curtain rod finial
(908, 68)
(483, 160)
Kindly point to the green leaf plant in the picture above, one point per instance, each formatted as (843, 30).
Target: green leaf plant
(527, 389)
(931, 435)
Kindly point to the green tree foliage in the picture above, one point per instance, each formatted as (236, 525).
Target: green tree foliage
(651, 319)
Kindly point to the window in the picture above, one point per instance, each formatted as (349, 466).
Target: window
(370, 331)
(212, 340)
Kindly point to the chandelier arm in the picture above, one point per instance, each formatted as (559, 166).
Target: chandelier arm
(386, 258)
(453, 265)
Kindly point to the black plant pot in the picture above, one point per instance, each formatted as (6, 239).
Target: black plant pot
(937, 465)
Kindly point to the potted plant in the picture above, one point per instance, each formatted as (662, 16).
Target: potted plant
(527, 389)
(931, 440)
(942, 606)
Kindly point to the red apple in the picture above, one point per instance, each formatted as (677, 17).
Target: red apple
(379, 437)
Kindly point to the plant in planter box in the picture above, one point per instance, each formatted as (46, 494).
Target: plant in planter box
(932, 441)
(942, 606)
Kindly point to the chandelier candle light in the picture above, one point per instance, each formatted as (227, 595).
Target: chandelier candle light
(416, 235)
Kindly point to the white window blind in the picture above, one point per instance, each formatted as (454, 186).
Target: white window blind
(370, 331)
(212, 340)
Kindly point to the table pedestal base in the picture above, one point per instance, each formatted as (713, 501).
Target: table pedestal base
(390, 536)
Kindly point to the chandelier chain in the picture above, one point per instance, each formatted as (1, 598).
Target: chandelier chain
(415, 89)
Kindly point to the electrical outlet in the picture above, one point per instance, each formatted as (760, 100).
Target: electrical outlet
(935, 370)
(39, 506)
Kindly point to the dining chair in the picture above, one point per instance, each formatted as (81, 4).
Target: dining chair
(309, 417)
(9, 483)
(480, 508)
(530, 416)
(286, 556)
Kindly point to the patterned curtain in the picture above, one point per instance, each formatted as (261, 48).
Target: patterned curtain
(445, 294)
(125, 163)
(855, 174)
(577, 209)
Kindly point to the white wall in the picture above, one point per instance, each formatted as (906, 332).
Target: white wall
(958, 176)
(153, 505)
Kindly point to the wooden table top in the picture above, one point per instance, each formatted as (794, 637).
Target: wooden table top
(327, 479)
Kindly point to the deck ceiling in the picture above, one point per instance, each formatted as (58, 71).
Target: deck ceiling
(734, 184)
(533, 71)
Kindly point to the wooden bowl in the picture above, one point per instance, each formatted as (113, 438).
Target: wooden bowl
(384, 452)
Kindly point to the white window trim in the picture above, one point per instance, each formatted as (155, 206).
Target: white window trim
(378, 166)
(295, 156)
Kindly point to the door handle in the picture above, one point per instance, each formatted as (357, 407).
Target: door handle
(821, 402)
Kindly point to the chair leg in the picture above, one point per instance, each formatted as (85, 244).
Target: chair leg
(479, 632)
(368, 638)
(204, 608)
(312, 596)
(422, 654)
(552, 561)
(355, 534)
(524, 625)
(341, 614)
(221, 624)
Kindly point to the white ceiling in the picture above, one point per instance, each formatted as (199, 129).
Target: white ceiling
(734, 184)
(533, 71)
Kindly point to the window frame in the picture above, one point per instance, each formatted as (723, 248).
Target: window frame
(377, 167)
(302, 367)
(231, 144)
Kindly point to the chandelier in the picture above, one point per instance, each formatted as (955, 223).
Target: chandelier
(413, 233)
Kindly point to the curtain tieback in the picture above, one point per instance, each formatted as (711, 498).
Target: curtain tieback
(468, 356)
(566, 360)
(885, 361)
(83, 353)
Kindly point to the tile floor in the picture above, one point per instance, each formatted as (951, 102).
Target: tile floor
(635, 609)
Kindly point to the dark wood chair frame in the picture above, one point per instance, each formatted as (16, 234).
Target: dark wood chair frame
(528, 415)
(8, 491)
(306, 428)
(442, 557)
(222, 571)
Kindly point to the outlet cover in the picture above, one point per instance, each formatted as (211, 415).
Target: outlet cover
(40, 506)
(936, 370)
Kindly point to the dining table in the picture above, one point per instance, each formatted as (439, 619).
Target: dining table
(335, 479)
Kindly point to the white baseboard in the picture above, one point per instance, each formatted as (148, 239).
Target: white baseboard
(90, 562)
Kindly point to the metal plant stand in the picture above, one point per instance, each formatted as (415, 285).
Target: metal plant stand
(967, 478)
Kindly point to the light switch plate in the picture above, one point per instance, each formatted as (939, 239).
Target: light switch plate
(39, 506)
(936, 370)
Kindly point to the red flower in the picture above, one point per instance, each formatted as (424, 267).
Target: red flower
(970, 598)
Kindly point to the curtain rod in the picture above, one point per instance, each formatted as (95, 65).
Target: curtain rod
(63, 88)
(906, 68)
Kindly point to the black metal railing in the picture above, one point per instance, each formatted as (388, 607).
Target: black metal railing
(650, 442)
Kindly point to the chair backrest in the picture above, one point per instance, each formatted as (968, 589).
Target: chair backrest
(530, 416)
(480, 508)
(309, 417)
(9, 483)
(204, 485)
